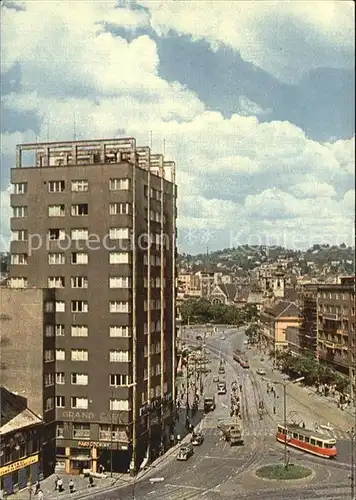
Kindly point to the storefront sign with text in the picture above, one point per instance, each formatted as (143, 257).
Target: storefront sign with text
(93, 444)
(18, 465)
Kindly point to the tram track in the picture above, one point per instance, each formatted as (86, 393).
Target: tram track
(260, 446)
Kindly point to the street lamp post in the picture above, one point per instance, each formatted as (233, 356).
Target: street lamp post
(352, 467)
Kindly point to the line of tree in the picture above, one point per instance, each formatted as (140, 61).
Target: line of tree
(200, 311)
(314, 372)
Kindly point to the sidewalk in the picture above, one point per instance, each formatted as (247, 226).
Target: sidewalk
(81, 486)
(325, 407)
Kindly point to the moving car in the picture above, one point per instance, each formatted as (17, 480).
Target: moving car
(260, 371)
(209, 403)
(185, 452)
(197, 439)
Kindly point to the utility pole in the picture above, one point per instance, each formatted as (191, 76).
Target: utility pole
(187, 382)
(352, 471)
(285, 423)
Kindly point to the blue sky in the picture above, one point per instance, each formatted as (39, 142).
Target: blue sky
(255, 101)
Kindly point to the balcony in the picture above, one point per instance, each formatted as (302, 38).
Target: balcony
(330, 316)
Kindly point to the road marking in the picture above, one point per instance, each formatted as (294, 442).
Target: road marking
(185, 486)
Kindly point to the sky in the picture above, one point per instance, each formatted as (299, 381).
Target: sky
(254, 100)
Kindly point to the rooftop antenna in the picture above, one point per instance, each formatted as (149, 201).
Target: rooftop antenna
(151, 139)
(74, 127)
(164, 147)
(47, 129)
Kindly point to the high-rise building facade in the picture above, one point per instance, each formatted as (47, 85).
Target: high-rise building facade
(96, 222)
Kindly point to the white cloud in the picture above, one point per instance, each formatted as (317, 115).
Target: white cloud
(272, 35)
(234, 174)
(246, 107)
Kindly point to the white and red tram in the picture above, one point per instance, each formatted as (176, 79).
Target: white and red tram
(307, 440)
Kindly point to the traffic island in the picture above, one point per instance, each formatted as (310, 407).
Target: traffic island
(279, 472)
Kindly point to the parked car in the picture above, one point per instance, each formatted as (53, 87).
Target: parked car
(260, 371)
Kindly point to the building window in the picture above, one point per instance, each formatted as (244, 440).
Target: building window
(59, 431)
(80, 403)
(79, 355)
(20, 188)
(55, 282)
(109, 432)
(56, 258)
(18, 282)
(60, 355)
(49, 404)
(79, 282)
(49, 307)
(117, 306)
(119, 208)
(56, 211)
(119, 258)
(49, 355)
(119, 331)
(79, 234)
(19, 211)
(56, 234)
(119, 282)
(119, 233)
(79, 379)
(60, 378)
(119, 356)
(119, 184)
(117, 379)
(119, 405)
(19, 259)
(79, 258)
(79, 331)
(56, 186)
(81, 431)
(48, 379)
(60, 402)
(59, 330)
(60, 306)
(20, 235)
(80, 186)
(79, 306)
(49, 330)
(79, 209)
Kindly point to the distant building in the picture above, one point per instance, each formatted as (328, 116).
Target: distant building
(21, 443)
(308, 315)
(292, 338)
(223, 294)
(275, 319)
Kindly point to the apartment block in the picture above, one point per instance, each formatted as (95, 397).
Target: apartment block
(308, 341)
(95, 222)
(336, 325)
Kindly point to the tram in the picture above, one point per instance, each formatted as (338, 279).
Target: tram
(307, 440)
(236, 356)
(244, 363)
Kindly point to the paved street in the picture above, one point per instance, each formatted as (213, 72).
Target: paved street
(218, 471)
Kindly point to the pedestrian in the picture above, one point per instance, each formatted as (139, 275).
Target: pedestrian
(303, 425)
(178, 438)
(56, 483)
(38, 487)
(91, 482)
(40, 495)
(71, 486)
(60, 484)
(2, 494)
